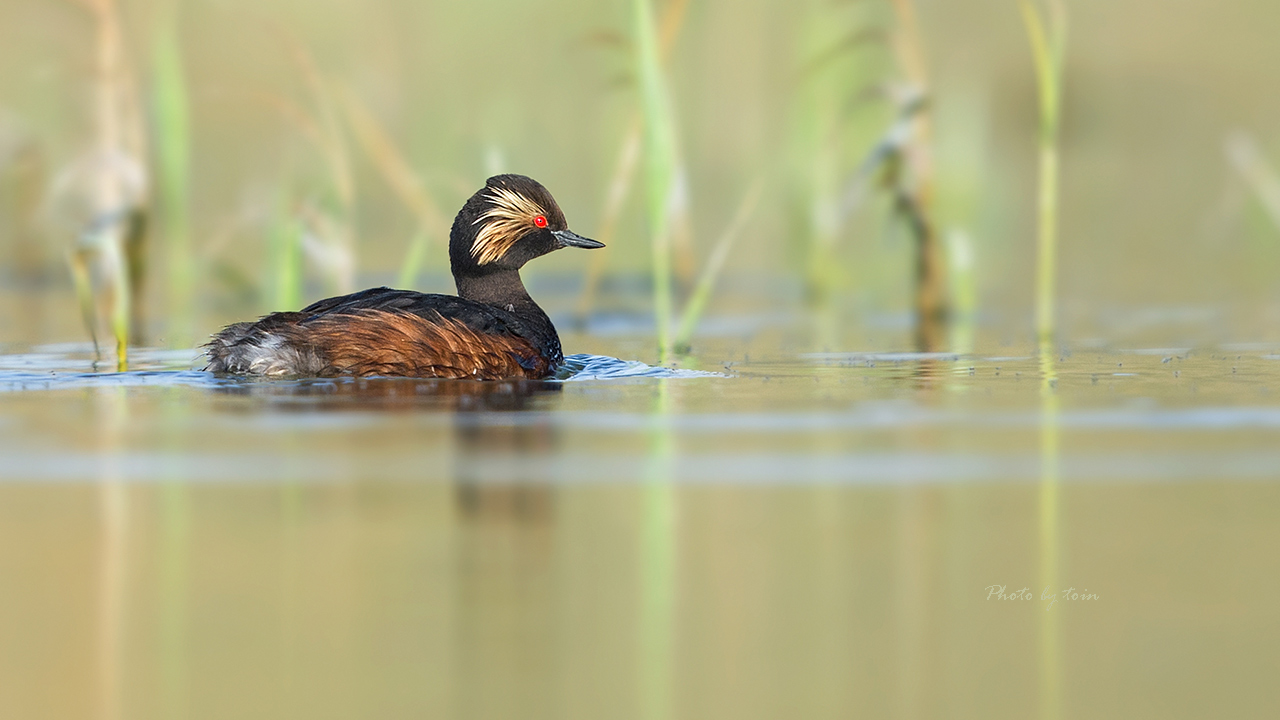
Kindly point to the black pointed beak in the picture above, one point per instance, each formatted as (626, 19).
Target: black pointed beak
(568, 238)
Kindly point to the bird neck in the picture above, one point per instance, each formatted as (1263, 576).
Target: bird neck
(500, 289)
(504, 290)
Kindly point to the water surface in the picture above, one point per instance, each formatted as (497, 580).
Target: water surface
(778, 535)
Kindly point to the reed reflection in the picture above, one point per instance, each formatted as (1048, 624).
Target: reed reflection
(1050, 535)
(113, 557)
(658, 551)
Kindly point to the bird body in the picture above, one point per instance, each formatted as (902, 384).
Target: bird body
(491, 330)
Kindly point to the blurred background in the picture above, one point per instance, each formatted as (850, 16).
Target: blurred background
(283, 152)
(833, 204)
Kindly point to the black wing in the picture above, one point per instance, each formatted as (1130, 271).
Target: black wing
(476, 316)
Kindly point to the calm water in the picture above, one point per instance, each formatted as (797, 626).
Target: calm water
(790, 535)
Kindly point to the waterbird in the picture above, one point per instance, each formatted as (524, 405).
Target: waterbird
(490, 330)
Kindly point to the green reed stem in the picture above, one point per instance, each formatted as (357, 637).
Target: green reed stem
(697, 303)
(964, 291)
(1047, 245)
(79, 260)
(414, 259)
(284, 247)
(619, 189)
(398, 173)
(172, 144)
(624, 171)
(122, 295)
(661, 165)
(1048, 45)
(1258, 173)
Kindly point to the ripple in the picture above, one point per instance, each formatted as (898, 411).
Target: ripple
(29, 381)
(602, 367)
(159, 368)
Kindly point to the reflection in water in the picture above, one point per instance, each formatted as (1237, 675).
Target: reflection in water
(174, 581)
(519, 501)
(479, 493)
(928, 373)
(382, 600)
(506, 525)
(658, 534)
(113, 549)
(395, 393)
(920, 518)
(514, 495)
(812, 545)
(174, 587)
(1050, 552)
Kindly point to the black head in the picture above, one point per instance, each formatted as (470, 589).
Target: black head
(507, 223)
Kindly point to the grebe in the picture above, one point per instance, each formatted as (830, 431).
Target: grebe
(491, 330)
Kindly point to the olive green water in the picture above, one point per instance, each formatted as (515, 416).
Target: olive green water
(818, 535)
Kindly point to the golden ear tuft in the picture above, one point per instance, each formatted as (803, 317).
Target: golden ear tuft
(510, 218)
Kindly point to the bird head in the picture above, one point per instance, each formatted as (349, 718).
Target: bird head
(510, 221)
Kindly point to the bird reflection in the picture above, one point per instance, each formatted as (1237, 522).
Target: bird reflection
(364, 394)
(491, 480)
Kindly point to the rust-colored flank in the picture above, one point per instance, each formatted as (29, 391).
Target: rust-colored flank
(378, 342)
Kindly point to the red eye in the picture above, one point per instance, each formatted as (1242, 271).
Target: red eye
(540, 221)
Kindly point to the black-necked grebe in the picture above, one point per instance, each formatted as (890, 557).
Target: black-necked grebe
(491, 330)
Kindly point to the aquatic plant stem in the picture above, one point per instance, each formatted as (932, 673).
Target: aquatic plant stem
(121, 305)
(1257, 172)
(619, 189)
(405, 183)
(414, 260)
(625, 166)
(172, 140)
(661, 167)
(115, 235)
(79, 259)
(326, 229)
(285, 258)
(964, 291)
(916, 191)
(1048, 45)
(1047, 247)
(697, 302)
